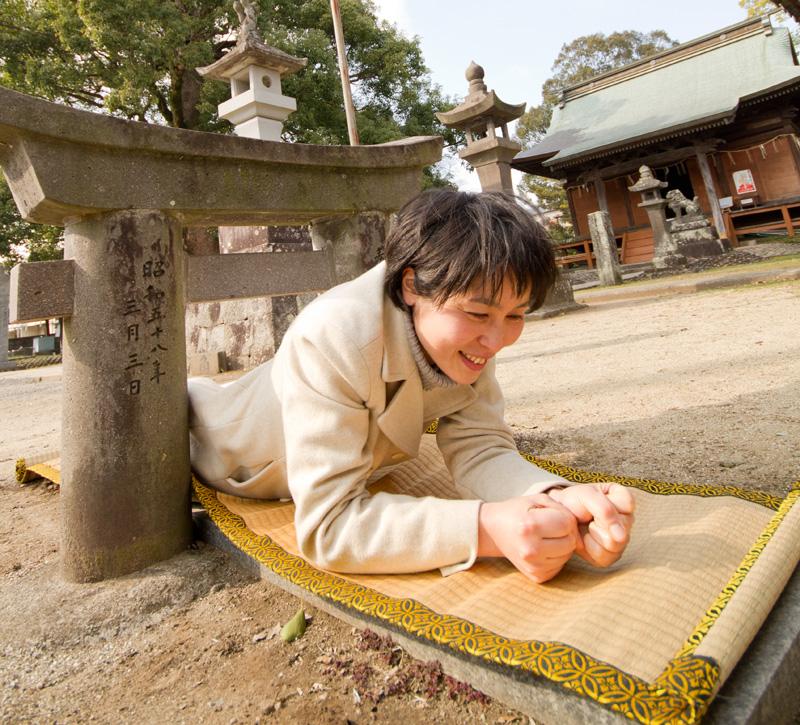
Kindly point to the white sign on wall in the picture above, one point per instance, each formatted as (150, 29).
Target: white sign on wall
(743, 182)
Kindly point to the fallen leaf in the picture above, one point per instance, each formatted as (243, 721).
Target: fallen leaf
(295, 627)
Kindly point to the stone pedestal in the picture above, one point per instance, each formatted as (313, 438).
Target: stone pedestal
(605, 248)
(559, 299)
(356, 242)
(665, 249)
(4, 289)
(125, 455)
(491, 158)
(696, 238)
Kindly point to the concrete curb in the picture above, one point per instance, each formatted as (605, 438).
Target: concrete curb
(666, 288)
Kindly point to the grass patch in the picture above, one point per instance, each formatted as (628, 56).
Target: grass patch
(783, 262)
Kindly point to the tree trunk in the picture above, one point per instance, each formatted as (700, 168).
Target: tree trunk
(191, 84)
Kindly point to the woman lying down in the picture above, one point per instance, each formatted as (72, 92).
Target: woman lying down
(367, 366)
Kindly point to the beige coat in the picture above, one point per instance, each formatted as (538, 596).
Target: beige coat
(341, 398)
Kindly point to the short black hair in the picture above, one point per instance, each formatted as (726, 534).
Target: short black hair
(453, 239)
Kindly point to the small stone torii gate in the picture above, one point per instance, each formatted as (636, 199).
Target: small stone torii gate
(124, 191)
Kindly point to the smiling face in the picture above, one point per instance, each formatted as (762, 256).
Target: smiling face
(461, 335)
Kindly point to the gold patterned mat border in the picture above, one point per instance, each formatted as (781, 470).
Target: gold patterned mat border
(741, 572)
(680, 694)
(26, 471)
(651, 485)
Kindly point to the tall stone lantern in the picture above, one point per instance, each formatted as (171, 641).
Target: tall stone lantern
(480, 116)
(665, 249)
(257, 107)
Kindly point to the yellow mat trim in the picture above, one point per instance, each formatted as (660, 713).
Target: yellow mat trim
(30, 472)
(680, 694)
(651, 485)
(715, 610)
(25, 472)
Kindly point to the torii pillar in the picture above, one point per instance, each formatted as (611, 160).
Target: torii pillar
(125, 280)
(480, 116)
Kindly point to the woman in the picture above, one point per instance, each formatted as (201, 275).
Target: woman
(362, 372)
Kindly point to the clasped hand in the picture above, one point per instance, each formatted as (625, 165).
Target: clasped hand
(538, 534)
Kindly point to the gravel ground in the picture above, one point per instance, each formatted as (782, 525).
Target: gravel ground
(701, 388)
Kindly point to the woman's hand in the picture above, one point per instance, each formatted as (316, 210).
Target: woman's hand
(535, 533)
(605, 515)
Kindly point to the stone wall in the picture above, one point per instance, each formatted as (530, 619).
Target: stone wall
(243, 329)
(250, 331)
(247, 331)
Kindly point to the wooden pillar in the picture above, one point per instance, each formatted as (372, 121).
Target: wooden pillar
(713, 194)
(623, 189)
(794, 150)
(600, 192)
(573, 213)
(722, 176)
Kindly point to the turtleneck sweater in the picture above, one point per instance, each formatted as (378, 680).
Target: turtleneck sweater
(429, 373)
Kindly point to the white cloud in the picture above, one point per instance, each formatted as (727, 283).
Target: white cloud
(465, 179)
(397, 12)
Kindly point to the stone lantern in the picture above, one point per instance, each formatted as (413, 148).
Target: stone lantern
(480, 116)
(257, 107)
(665, 249)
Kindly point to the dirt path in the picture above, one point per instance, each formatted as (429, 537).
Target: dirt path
(701, 388)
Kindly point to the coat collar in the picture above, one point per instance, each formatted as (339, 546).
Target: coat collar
(398, 359)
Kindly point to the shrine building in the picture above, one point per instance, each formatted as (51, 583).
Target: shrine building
(716, 118)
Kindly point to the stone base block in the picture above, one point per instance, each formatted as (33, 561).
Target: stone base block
(669, 261)
(207, 363)
(698, 243)
(560, 299)
(698, 250)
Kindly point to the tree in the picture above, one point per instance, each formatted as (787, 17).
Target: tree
(756, 8)
(136, 59)
(19, 240)
(578, 61)
(762, 7)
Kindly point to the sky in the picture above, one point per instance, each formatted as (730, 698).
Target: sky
(516, 41)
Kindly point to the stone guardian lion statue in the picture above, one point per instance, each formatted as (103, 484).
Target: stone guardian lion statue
(681, 206)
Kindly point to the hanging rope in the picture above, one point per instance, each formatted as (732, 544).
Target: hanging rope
(762, 147)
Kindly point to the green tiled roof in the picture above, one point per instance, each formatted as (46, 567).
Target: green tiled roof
(701, 89)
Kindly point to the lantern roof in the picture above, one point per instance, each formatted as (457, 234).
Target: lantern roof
(480, 105)
(252, 51)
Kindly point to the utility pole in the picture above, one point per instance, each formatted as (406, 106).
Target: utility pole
(350, 112)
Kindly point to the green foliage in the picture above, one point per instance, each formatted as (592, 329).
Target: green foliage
(42, 242)
(756, 8)
(136, 59)
(762, 7)
(561, 233)
(583, 58)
